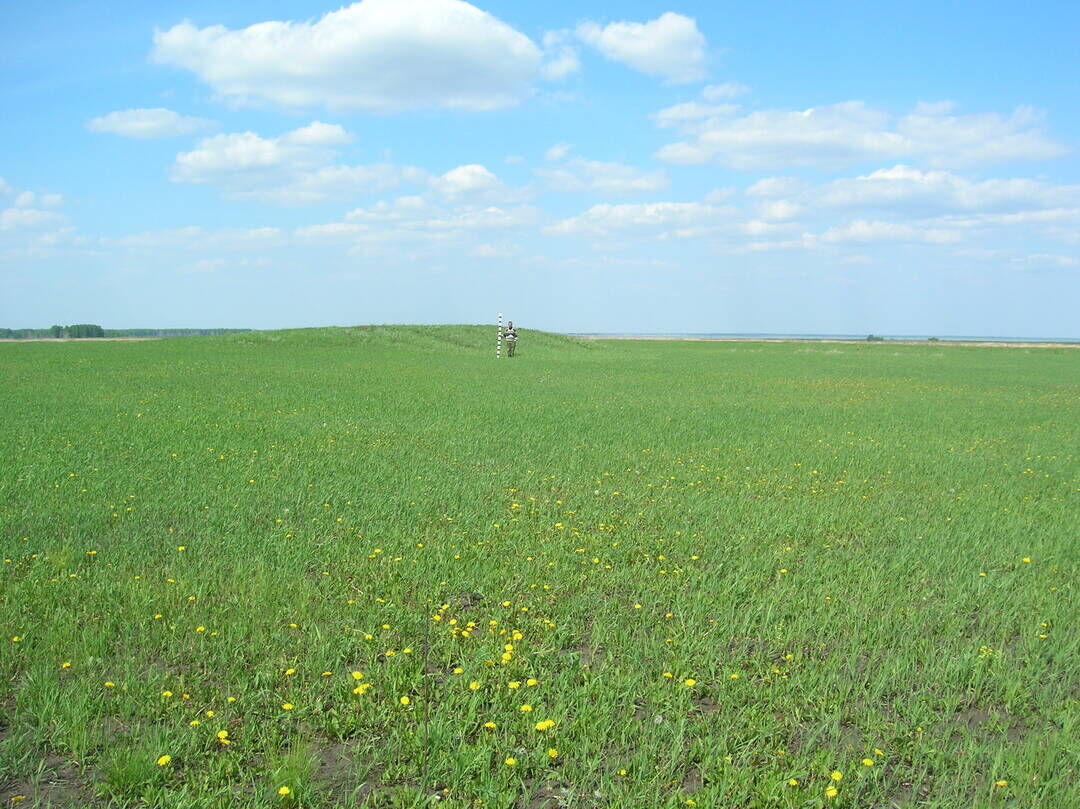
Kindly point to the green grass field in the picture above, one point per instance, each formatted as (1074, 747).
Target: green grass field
(375, 567)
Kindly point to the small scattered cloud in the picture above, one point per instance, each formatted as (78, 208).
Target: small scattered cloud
(560, 57)
(493, 251)
(28, 219)
(670, 47)
(149, 124)
(729, 89)
(1046, 260)
(579, 174)
(292, 168)
(374, 55)
(863, 232)
(557, 152)
(678, 218)
(915, 193)
(853, 132)
(466, 180)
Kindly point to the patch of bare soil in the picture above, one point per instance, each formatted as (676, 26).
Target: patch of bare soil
(61, 785)
(546, 795)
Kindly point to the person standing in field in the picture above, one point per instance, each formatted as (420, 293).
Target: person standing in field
(510, 336)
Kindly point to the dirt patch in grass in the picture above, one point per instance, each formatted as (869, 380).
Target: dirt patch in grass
(693, 781)
(61, 785)
(546, 795)
(985, 723)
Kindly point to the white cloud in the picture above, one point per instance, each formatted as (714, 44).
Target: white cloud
(607, 178)
(418, 214)
(376, 55)
(606, 218)
(966, 140)
(671, 46)
(779, 209)
(331, 230)
(317, 134)
(1046, 260)
(402, 208)
(28, 218)
(905, 191)
(679, 115)
(560, 58)
(147, 124)
(493, 251)
(777, 187)
(862, 231)
(852, 132)
(557, 152)
(204, 265)
(196, 238)
(291, 168)
(904, 187)
(465, 180)
(729, 89)
(29, 199)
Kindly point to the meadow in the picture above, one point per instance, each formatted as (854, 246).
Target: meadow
(373, 567)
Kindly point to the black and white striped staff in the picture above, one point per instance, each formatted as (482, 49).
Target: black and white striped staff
(498, 339)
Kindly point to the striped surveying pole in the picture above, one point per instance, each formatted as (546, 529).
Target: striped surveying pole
(498, 339)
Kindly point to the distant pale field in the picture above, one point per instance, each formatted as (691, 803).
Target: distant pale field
(377, 567)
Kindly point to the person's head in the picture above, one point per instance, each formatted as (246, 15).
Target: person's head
(509, 324)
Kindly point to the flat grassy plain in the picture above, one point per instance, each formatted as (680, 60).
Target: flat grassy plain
(375, 567)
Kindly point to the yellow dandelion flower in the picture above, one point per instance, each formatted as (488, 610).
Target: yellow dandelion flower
(194, 722)
(231, 699)
(878, 752)
(404, 700)
(166, 694)
(490, 725)
(531, 682)
(545, 724)
(474, 686)
(689, 682)
(286, 706)
(793, 782)
(161, 762)
(836, 775)
(358, 675)
(223, 734)
(525, 708)
(868, 762)
(510, 761)
(459, 670)
(283, 791)
(831, 792)
(110, 684)
(290, 672)
(1026, 560)
(668, 675)
(65, 665)
(1001, 783)
(513, 684)
(553, 753)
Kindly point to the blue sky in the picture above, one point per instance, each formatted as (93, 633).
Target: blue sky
(843, 167)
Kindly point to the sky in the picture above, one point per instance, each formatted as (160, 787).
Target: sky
(646, 167)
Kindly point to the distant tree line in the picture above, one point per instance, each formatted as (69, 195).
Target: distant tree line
(78, 330)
